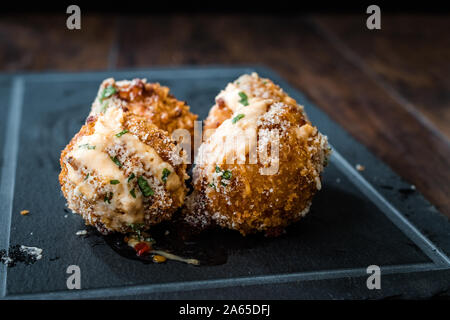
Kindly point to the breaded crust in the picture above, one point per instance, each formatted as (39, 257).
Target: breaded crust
(150, 100)
(104, 201)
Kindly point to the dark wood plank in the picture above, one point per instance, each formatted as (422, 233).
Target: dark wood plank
(295, 48)
(43, 42)
(411, 54)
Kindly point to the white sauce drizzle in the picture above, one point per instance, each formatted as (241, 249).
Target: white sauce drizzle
(98, 162)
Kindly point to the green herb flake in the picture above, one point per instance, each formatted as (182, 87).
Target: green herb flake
(165, 173)
(237, 118)
(212, 185)
(87, 176)
(133, 194)
(227, 175)
(114, 181)
(108, 197)
(145, 188)
(107, 92)
(86, 146)
(116, 161)
(121, 133)
(131, 177)
(137, 228)
(244, 98)
(218, 169)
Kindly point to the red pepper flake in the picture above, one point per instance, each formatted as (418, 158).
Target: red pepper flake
(141, 248)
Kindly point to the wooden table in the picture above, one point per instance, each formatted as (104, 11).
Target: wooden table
(389, 88)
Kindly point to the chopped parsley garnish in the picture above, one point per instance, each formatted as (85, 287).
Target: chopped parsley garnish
(131, 177)
(86, 146)
(264, 82)
(114, 181)
(145, 188)
(237, 118)
(227, 175)
(116, 161)
(244, 98)
(133, 194)
(212, 185)
(165, 174)
(121, 133)
(87, 176)
(108, 197)
(137, 228)
(107, 92)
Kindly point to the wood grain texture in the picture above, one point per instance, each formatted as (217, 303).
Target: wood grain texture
(410, 54)
(296, 47)
(37, 43)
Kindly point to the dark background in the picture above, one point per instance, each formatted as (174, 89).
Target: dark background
(230, 6)
(389, 88)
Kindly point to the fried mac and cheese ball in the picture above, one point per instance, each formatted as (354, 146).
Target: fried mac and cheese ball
(260, 168)
(120, 170)
(150, 100)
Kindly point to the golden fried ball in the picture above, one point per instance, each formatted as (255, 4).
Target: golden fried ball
(259, 170)
(120, 171)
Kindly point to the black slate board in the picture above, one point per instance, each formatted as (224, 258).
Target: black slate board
(356, 221)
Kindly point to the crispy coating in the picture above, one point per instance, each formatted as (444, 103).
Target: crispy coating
(150, 100)
(103, 181)
(239, 195)
(253, 86)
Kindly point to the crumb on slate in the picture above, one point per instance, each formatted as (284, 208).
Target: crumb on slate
(81, 233)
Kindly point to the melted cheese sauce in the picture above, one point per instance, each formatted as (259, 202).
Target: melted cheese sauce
(231, 97)
(102, 169)
(232, 142)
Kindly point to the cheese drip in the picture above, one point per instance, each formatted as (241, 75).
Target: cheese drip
(90, 154)
(234, 139)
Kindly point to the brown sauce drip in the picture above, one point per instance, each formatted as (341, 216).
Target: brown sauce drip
(177, 238)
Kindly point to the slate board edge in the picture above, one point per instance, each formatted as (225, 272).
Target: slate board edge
(227, 282)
